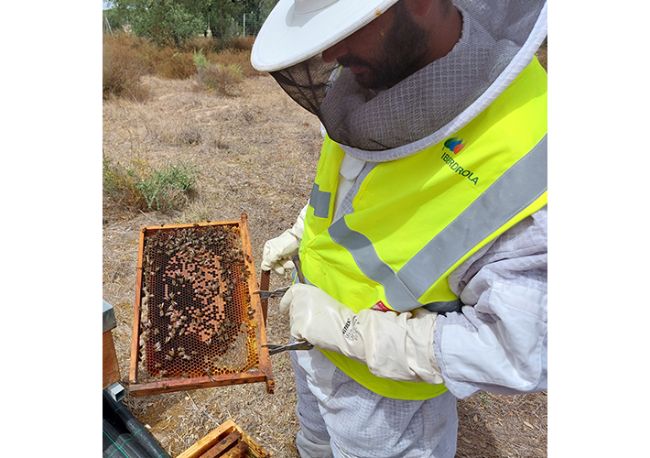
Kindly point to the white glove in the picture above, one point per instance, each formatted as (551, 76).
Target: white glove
(393, 345)
(278, 251)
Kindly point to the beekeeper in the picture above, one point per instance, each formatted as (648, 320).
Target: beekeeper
(423, 245)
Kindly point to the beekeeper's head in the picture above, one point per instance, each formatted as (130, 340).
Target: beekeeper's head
(362, 64)
(381, 41)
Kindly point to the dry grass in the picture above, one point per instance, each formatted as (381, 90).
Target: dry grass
(257, 155)
(122, 68)
(223, 79)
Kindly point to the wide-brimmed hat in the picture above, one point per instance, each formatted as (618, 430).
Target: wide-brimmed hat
(297, 30)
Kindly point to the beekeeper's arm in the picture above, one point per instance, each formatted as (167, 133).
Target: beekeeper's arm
(278, 251)
(393, 345)
(496, 343)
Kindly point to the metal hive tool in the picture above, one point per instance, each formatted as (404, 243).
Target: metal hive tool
(196, 323)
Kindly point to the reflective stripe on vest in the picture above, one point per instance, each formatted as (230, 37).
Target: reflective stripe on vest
(320, 201)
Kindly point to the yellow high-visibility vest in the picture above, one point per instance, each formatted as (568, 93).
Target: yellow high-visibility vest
(416, 219)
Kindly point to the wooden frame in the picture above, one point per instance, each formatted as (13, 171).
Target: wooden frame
(264, 372)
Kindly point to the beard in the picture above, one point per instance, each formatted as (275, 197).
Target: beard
(404, 48)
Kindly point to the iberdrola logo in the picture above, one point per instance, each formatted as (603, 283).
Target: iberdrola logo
(454, 144)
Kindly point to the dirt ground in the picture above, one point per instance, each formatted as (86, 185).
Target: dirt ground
(257, 154)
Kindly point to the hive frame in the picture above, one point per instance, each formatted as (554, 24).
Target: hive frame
(262, 374)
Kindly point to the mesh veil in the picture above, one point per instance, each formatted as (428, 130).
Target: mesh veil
(498, 39)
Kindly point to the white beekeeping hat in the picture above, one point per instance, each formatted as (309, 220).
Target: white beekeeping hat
(297, 30)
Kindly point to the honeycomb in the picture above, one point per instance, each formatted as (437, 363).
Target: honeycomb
(196, 315)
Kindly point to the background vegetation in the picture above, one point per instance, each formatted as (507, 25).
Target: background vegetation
(169, 22)
(212, 65)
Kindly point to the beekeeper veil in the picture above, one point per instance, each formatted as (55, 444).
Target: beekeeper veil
(498, 39)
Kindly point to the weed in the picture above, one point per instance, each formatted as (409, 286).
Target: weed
(161, 184)
(142, 187)
(482, 397)
(221, 78)
(199, 59)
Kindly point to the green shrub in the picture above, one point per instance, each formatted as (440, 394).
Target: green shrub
(199, 59)
(142, 187)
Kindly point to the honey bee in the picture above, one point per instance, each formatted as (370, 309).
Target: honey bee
(207, 371)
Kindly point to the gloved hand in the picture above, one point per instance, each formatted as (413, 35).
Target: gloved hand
(393, 345)
(278, 251)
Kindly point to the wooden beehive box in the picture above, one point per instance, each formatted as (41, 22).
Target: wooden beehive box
(111, 370)
(227, 441)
